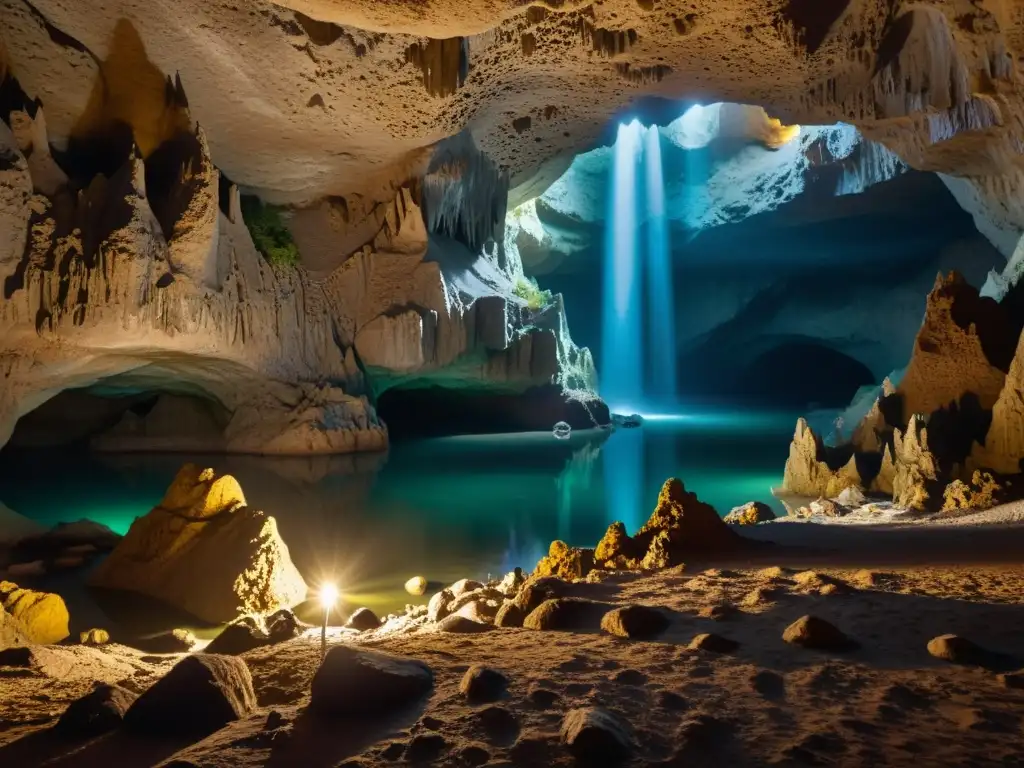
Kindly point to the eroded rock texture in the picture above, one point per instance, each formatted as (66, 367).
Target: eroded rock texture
(204, 551)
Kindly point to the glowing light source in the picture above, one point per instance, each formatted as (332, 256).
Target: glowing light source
(328, 597)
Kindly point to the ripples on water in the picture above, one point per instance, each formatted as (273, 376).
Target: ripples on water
(445, 508)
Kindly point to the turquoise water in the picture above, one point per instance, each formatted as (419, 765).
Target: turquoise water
(445, 508)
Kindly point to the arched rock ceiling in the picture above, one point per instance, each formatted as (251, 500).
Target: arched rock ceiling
(310, 98)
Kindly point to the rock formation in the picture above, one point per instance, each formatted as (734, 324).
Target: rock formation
(680, 525)
(37, 617)
(808, 469)
(204, 551)
(1003, 447)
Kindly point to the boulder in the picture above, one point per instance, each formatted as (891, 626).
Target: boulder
(98, 712)
(751, 513)
(635, 621)
(353, 681)
(199, 695)
(11, 632)
(239, 636)
(483, 611)
(363, 620)
(812, 632)
(42, 617)
(509, 615)
(536, 590)
(459, 624)
(481, 684)
(814, 470)
(595, 736)
(959, 650)
(512, 582)
(417, 585)
(565, 562)
(462, 586)
(564, 615)
(94, 637)
(714, 643)
(438, 607)
(204, 551)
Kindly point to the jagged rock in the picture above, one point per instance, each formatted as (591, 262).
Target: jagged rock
(417, 585)
(617, 550)
(563, 615)
(635, 621)
(595, 736)
(94, 637)
(174, 641)
(199, 695)
(809, 474)
(98, 712)
(1003, 447)
(352, 681)
(882, 482)
(565, 562)
(751, 513)
(481, 684)
(284, 625)
(916, 481)
(42, 617)
(851, 497)
(714, 643)
(205, 551)
(867, 435)
(812, 632)
(363, 620)
(512, 582)
(965, 344)
(984, 491)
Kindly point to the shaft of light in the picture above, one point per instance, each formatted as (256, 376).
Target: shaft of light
(621, 332)
(661, 309)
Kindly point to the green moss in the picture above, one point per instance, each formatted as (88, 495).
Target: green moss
(526, 288)
(270, 234)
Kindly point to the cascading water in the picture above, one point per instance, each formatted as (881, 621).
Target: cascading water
(660, 308)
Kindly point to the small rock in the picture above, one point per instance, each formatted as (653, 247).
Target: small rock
(717, 612)
(175, 641)
(94, 637)
(542, 698)
(563, 615)
(714, 643)
(759, 596)
(199, 695)
(499, 724)
(99, 711)
(238, 637)
(958, 650)
(595, 736)
(751, 513)
(363, 620)
(509, 615)
(481, 684)
(438, 608)
(425, 748)
(536, 591)
(828, 508)
(634, 621)
(393, 751)
(812, 632)
(772, 573)
(274, 720)
(457, 624)
(671, 701)
(352, 681)
(417, 585)
(851, 496)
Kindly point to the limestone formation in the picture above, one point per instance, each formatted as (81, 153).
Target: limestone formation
(917, 480)
(565, 562)
(965, 345)
(882, 482)
(1004, 443)
(203, 550)
(41, 617)
(982, 491)
(808, 473)
(868, 434)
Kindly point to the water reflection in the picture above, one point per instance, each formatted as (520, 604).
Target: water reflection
(444, 509)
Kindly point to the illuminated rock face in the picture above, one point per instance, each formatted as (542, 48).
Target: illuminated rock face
(809, 474)
(204, 551)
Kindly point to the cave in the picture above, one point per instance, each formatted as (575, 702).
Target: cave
(438, 364)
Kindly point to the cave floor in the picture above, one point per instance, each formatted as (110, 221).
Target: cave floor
(888, 702)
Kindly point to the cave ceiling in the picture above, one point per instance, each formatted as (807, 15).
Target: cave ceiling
(307, 99)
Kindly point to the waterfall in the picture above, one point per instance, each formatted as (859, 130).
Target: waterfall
(621, 331)
(661, 316)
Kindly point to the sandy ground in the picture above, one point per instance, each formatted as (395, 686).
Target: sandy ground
(768, 703)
